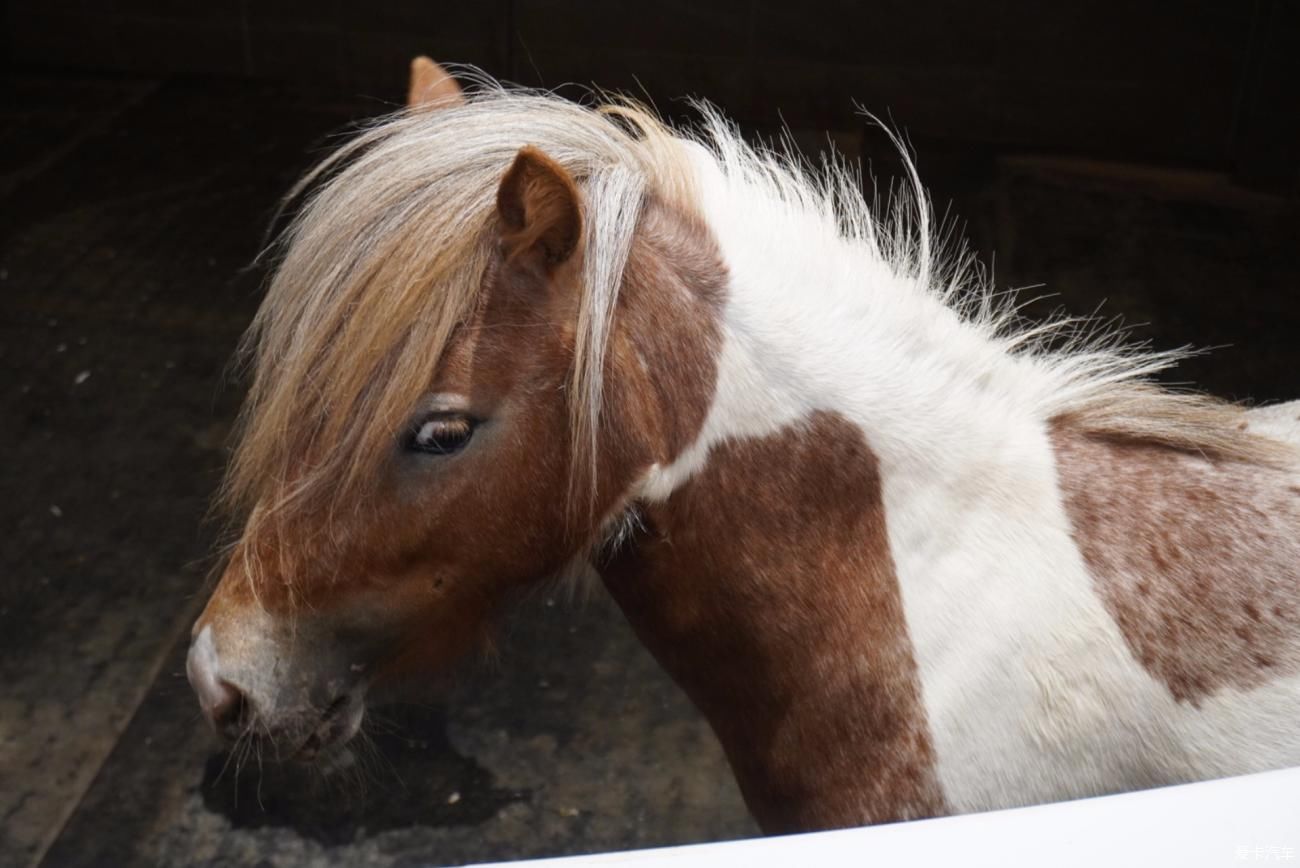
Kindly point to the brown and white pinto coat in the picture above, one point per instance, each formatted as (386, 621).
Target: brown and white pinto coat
(899, 574)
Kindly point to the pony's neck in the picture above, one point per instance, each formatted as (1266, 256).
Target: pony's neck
(764, 586)
(817, 322)
(767, 580)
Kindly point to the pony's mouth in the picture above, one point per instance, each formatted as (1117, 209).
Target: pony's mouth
(339, 723)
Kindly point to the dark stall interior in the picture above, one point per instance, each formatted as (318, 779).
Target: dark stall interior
(1135, 160)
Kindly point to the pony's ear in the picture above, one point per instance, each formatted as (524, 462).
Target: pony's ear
(540, 209)
(431, 86)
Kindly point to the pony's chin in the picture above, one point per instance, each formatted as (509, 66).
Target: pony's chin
(337, 727)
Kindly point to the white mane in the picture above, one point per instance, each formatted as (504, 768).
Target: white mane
(1086, 373)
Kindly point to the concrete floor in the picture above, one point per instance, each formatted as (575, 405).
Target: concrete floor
(129, 210)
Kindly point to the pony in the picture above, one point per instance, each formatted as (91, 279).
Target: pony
(908, 555)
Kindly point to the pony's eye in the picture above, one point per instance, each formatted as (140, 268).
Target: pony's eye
(440, 434)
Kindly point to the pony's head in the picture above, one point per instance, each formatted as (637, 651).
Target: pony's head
(489, 321)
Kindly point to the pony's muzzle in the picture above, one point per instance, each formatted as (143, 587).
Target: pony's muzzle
(248, 687)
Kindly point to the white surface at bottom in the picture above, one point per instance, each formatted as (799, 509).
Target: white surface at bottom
(1235, 821)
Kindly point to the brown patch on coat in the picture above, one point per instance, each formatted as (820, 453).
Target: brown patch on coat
(662, 363)
(765, 587)
(1198, 561)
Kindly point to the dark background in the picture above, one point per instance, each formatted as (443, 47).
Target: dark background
(1136, 158)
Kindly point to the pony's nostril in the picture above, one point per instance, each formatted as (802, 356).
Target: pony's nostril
(335, 707)
(224, 703)
(228, 708)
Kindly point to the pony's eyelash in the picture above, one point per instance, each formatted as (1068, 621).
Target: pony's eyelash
(440, 433)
